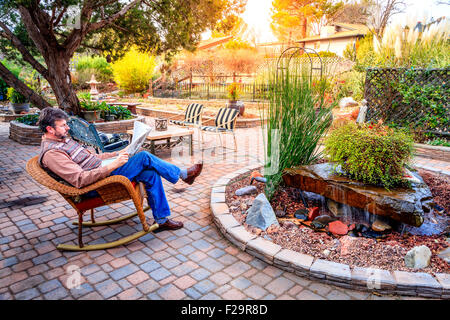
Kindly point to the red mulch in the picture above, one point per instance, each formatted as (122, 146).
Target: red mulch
(387, 253)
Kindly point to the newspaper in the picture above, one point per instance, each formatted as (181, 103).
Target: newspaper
(140, 133)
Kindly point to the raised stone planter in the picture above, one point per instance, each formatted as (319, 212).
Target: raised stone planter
(25, 134)
(31, 135)
(9, 117)
(433, 152)
(120, 126)
(342, 275)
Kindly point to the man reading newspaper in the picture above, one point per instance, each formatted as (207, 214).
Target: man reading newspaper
(79, 167)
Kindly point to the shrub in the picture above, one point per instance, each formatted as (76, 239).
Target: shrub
(15, 96)
(14, 70)
(134, 71)
(371, 153)
(96, 65)
(29, 119)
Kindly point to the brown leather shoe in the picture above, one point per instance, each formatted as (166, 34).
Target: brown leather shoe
(193, 172)
(169, 225)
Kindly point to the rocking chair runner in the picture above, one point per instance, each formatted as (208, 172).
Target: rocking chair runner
(110, 190)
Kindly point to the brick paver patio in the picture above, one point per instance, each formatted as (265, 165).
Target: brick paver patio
(195, 262)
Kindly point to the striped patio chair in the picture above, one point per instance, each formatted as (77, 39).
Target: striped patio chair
(225, 122)
(192, 117)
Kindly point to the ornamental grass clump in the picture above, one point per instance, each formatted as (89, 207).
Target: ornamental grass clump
(371, 153)
(293, 121)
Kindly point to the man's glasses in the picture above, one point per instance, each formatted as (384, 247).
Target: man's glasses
(63, 126)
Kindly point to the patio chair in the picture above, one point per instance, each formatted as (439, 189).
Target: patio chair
(87, 134)
(192, 118)
(225, 122)
(107, 191)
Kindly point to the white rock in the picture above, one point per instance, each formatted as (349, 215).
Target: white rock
(347, 102)
(418, 257)
(326, 252)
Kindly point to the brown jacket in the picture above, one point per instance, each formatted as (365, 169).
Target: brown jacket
(62, 165)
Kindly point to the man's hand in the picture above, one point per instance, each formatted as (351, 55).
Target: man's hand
(122, 158)
(125, 150)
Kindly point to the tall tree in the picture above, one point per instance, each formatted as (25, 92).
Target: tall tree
(55, 30)
(354, 12)
(381, 11)
(291, 19)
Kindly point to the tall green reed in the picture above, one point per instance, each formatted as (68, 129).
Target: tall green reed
(293, 120)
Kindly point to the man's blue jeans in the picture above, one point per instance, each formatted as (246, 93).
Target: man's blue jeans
(147, 168)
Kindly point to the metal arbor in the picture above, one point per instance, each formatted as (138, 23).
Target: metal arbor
(290, 52)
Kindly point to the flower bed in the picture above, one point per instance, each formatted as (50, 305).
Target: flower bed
(387, 253)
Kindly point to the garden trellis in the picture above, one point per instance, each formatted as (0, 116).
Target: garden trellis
(417, 98)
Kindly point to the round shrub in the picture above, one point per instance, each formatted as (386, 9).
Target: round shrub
(133, 72)
(371, 153)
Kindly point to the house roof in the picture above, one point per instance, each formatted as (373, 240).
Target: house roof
(210, 43)
(355, 31)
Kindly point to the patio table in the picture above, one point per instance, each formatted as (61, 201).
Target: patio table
(179, 133)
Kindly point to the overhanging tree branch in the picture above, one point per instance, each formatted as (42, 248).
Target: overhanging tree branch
(12, 81)
(25, 54)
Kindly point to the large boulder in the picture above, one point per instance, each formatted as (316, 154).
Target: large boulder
(261, 214)
(418, 257)
(401, 204)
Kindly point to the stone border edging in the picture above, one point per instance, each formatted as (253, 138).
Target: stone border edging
(365, 279)
(440, 153)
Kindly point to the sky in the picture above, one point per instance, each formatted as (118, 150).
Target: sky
(257, 14)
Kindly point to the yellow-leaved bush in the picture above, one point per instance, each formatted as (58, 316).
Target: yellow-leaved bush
(133, 72)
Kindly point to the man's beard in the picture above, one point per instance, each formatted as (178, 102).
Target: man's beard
(61, 136)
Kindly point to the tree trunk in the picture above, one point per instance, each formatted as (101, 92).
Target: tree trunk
(61, 83)
(22, 88)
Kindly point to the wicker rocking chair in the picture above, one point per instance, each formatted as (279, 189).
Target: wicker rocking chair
(110, 190)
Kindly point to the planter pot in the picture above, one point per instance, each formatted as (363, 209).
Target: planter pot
(237, 105)
(91, 116)
(20, 108)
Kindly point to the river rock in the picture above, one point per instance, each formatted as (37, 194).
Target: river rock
(337, 209)
(400, 204)
(445, 255)
(380, 226)
(246, 190)
(337, 227)
(313, 213)
(301, 214)
(346, 243)
(418, 257)
(280, 213)
(261, 214)
(325, 219)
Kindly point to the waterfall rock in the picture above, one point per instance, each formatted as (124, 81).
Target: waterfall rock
(261, 214)
(401, 204)
(418, 257)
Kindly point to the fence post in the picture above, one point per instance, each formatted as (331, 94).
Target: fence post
(207, 98)
(190, 86)
(254, 91)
